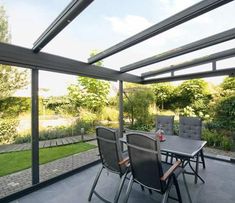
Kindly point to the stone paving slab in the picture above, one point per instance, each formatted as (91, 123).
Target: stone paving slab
(46, 143)
(15, 182)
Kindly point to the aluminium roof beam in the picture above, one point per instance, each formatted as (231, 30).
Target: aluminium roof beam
(212, 73)
(194, 46)
(177, 19)
(65, 17)
(24, 57)
(195, 62)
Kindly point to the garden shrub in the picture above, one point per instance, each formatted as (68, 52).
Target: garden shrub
(217, 139)
(136, 106)
(208, 136)
(224, 116)
(8, 130)
(227, 143)
(57, 132)
(109, 114)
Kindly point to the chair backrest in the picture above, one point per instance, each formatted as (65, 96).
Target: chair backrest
(145, 160)
(190, 127)
(109, 148)
(167, 124)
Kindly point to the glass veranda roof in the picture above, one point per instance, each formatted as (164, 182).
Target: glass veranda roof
(105, 23)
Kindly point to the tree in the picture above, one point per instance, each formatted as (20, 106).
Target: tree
(89, 93)
(163, 93)
(11, 78)
(4, 31)
(225, 113)
(228, 86)
(136, 106)
(193, 95)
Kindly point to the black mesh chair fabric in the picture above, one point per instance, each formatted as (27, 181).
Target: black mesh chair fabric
(109, 148)
(147, 168)
(145, 161)
(166, 122)
(111, 156)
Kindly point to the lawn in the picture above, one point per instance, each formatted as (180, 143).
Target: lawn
(17, 161)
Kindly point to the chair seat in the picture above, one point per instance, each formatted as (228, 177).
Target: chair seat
(166, 166)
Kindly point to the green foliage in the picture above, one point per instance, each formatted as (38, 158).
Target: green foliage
(13, 106)
(163, 94)
(192, 97)
(4, 30)
(228, 83)
(57, 132)
(89, 93)
(93, 93)
(224, 113)
(8, 130)
(228, 86)
(109, 114)
(11, 78)
(217, 139)
(136, 106)
(192, 90)
(59, 105)
(227, 143)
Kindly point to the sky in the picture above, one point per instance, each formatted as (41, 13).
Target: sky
(105, 23)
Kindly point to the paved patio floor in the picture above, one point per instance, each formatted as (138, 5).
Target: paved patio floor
(219, 187)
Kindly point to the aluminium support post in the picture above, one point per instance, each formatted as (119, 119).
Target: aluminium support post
(34, 126)
(121, 128)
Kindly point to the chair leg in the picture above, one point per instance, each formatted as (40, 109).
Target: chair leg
(167, 154)
(95, 183)
(128, 190)
(142, 187)
(177, 189)
(186, 186)
(166, 195)
(202, 158)
(196, 169)
(120, 188)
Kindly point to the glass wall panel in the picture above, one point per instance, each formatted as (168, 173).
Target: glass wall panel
(15, 130)
(66, 126)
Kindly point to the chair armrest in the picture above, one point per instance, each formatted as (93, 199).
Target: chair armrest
(124, 161)
(170, 170)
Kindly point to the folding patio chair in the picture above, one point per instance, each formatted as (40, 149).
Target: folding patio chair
(148, 170)
(112, 159)
(191, 128)
(166, 123)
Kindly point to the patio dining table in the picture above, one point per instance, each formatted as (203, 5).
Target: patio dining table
(181, 148)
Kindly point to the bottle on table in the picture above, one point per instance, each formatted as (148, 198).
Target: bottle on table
(160, 134)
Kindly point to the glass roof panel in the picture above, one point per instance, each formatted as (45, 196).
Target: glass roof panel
(28, 18)
(105, 23)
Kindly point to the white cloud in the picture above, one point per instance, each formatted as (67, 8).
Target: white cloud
(129, 25)
(173, 6)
